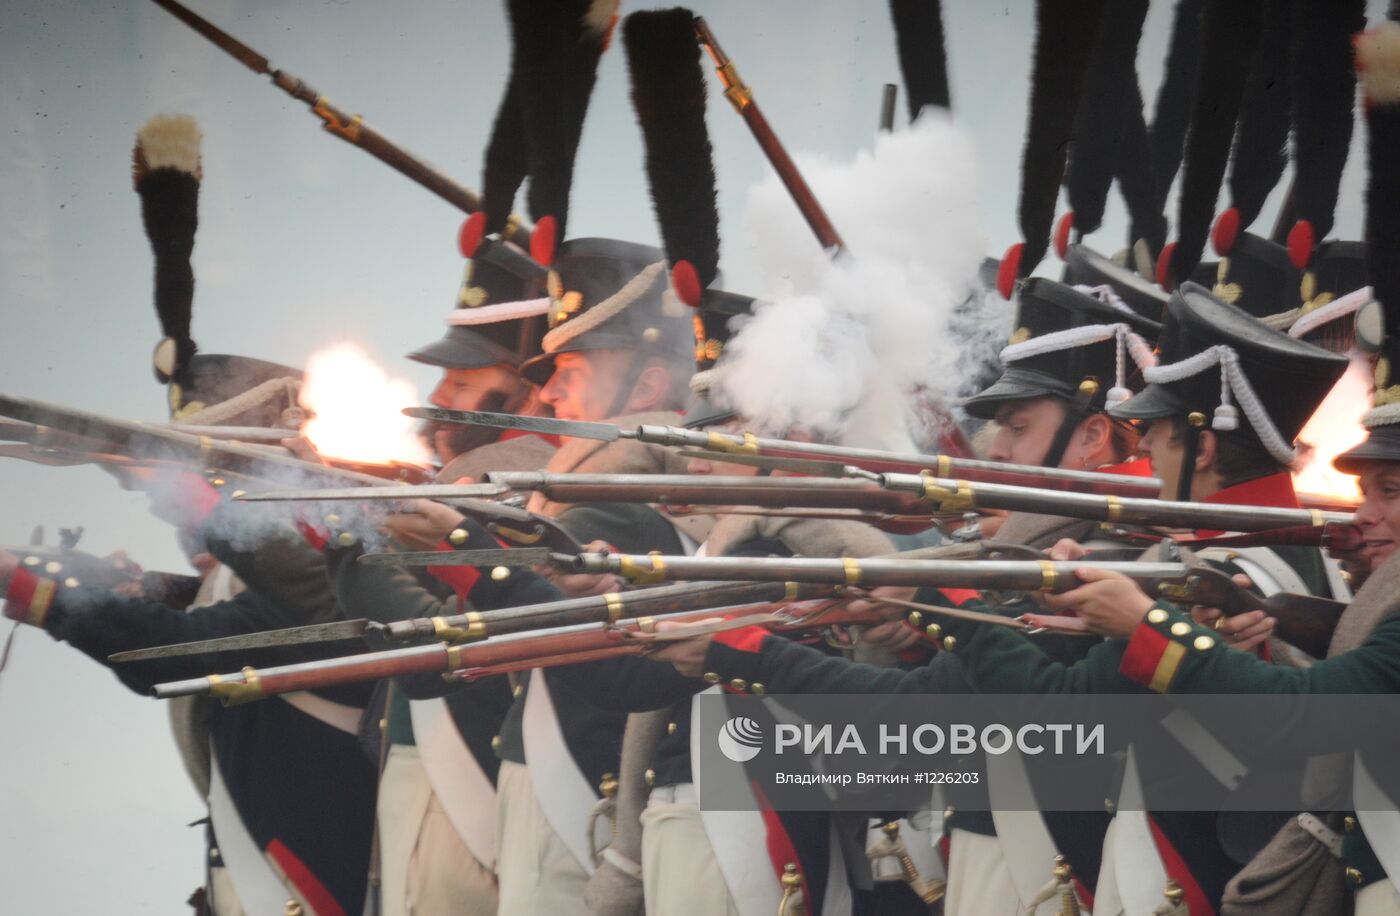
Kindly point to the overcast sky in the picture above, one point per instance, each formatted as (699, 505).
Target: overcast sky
(305, 241)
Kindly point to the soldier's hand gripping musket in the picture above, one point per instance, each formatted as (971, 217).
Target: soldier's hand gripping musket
(351, 129)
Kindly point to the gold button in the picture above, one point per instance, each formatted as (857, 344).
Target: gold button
(1157, 616)
(31, 561)
(517, 690)
(739, 684)
(947, 812)
(239, 494)
(213, 853)
(384, 724)
(53, 567)
(332, 520)
(934, 631)
(710, 677)
(1348, 824)
(217, 481)
(916, 619)
(949, 643)
(1355, 877)
(1109, 806)
(496, 743)
(651, 335)
(345, 539)
(1181, 628)
(651, 777)
(670, 728)
(500, 573)
(458, 537)
(293, 909)
(757, 689)
(71, 582)
(1204, 642)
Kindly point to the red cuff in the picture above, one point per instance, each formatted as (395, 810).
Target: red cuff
(29, 597)
(462, 578)
(1151, 658)
(957, 597)
(744, 639)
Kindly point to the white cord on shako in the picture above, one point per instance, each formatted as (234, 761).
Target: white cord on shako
(1108, 296)
(1126, 338)
(1234, 385)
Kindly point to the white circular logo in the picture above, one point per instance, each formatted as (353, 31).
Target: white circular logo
(740, 739)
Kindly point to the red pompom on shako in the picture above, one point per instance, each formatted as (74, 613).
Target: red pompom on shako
(1300, 243)
(1225, 231)
(1062, 230)
(1010, 267)
(470, 235)
(1164, 266)
(544, 242)
(686, 282)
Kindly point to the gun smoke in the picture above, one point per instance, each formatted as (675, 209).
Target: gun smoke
(850, 349)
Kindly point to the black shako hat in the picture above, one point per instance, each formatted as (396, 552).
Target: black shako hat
(1068, 344)
(499, 315)
(607, 294)
(1086, 267)
(1217, 364)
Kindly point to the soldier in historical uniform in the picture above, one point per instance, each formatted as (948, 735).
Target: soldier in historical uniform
(291, 796)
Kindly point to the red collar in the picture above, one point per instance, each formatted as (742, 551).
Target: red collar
(1275, 491)
(1138, 467)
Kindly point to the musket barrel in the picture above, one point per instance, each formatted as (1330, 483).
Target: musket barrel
(1112, 509)
(910, 463)
(741, 97)
(682, 489)
(1011, 575)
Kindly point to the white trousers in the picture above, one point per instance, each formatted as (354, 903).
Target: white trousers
(537, 873)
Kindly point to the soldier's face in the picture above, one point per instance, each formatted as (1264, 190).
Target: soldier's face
(1165, 450)
(1378, 516)
(493, 388)
(1026, 430)
(584, 385)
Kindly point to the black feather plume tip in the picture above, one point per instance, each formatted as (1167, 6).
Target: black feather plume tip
(1065, 31)
(504, 164)
(923, 59)
(1109, 103)
(1172, 113)
(668, 93)
(556, 57)
(170, 213)
(1229, 33)
(1324, 90)
(1261, 139)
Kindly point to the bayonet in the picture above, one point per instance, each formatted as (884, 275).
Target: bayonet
(263, 639)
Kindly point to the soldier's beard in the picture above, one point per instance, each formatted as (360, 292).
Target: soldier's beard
(449, 440)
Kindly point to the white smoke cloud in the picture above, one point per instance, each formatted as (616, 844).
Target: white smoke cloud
(840, 348)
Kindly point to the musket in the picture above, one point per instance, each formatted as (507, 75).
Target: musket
(475, 626)
(352, 130)
(962, 496)
(150, 440)
(484, 624)
(559, 646)
(251, 684)
(741, 97)
(907, 495)
(1303, 620)
(742, 444)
